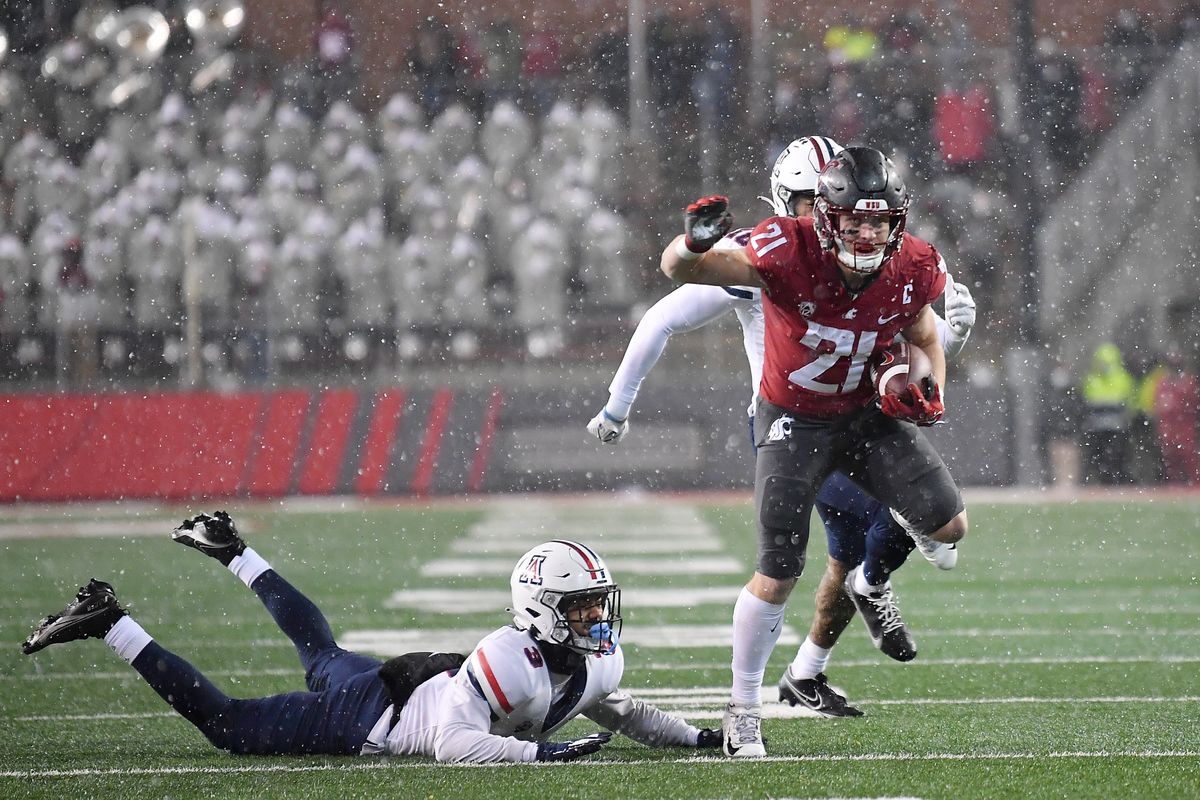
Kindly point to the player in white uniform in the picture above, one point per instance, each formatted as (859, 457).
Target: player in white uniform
(858, 528)
(560, 659)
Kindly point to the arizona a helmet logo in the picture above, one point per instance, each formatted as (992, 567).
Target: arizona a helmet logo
(533, 571)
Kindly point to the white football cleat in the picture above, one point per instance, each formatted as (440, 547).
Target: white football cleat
(940, 554)
(742, 726)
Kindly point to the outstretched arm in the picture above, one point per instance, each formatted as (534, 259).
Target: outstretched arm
(647, 724)
(685, 309)
(714, 267)
(691, 259)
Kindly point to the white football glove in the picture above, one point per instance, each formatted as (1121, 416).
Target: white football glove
(607, 429)
(960, 309)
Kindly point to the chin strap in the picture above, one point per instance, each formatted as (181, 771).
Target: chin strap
(851, 261)
(769, 202)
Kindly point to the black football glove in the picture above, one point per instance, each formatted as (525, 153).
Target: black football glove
(706, 221)
(710, 738)
(220, 523)
(569, 751)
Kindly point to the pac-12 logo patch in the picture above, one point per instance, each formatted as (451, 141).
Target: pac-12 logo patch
(533, 571)
(808, 308)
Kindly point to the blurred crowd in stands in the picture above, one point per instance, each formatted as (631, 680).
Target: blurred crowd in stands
(1128, 420)
(304, 222)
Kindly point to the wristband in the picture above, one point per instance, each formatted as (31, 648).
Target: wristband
(685, 252)
(612, 417)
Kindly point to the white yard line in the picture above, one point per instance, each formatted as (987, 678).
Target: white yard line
(713, 706)
(614, 502)
(708, 703)
(720, 694)
(620, 565)
(660, 666)
(608, 546)
(674, 666)
(1058, 632)
(366, 764)
(87, 529)
(466, 601)
(397, 642)
(645, 529)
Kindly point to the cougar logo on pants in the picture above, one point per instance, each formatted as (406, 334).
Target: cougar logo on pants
(780, 429)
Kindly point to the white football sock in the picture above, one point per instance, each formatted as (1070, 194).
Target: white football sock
(757, 625)
(810, 660)
(127, 638)
(248, 566)
(860, 583)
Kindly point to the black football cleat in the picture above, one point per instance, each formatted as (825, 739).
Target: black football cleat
(215, 536)
(884, 623)
(90, 615)
(816, 695)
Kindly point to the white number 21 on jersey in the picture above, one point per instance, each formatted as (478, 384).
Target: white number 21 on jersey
(846, 344)
(774, 236)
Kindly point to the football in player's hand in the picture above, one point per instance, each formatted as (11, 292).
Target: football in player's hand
(895, 368)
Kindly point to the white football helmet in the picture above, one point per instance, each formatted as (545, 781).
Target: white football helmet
(796, 170)
(550, 579)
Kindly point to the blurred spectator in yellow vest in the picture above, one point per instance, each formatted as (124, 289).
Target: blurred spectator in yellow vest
(1108, 393)
(850, 42)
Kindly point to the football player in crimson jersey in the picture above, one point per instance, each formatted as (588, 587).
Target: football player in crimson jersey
(858, 528)
(559, 659)
(837, 289)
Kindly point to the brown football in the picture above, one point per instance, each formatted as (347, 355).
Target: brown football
(895, 368)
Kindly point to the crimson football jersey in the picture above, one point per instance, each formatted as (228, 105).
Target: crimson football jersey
(819, 334)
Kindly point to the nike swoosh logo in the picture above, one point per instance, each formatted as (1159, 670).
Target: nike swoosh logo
(775, 627)
(885, 320)
(814, 701)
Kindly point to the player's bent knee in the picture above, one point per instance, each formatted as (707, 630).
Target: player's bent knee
(780, 562)
(771, 590)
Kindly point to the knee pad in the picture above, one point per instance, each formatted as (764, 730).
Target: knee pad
(783, 514)
(785, 504)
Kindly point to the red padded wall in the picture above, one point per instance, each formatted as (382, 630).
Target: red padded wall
(170, 446)
(193, 445)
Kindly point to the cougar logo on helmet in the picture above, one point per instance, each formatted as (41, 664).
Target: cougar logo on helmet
(860, 181)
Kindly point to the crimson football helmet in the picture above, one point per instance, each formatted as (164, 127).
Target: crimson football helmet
(860, 180)
(556, 576)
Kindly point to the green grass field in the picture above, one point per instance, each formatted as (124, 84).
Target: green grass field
(1060, 659)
